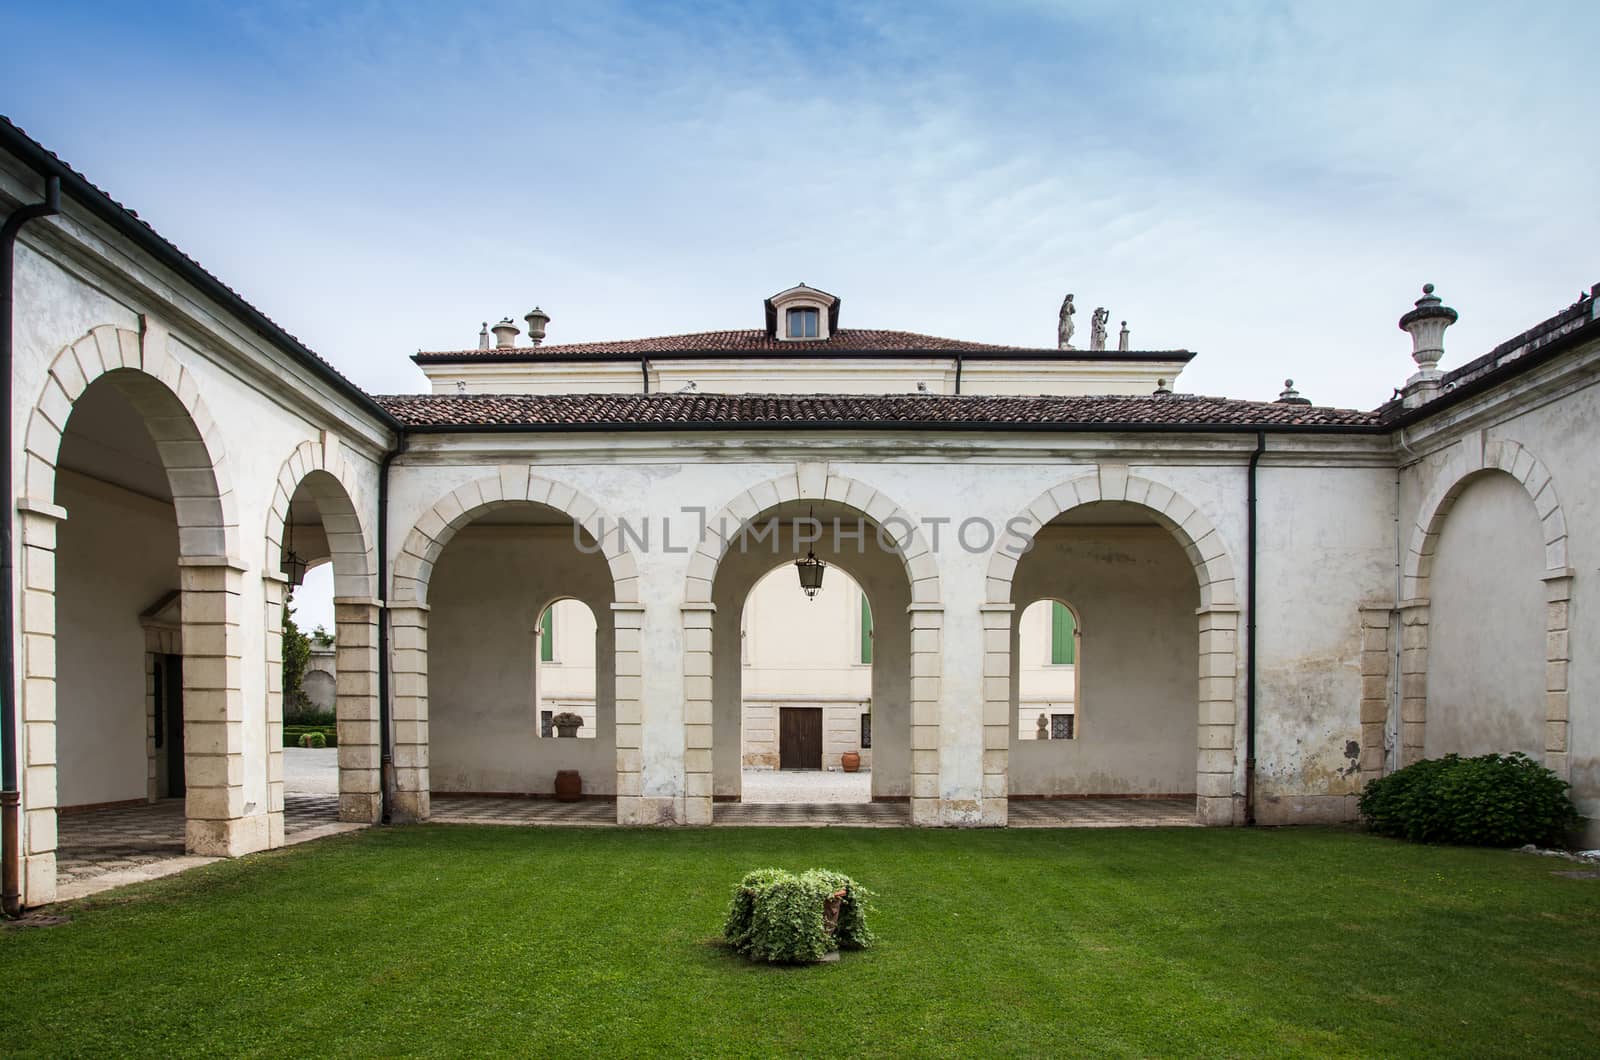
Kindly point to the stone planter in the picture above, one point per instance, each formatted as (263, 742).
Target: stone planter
(566, 731)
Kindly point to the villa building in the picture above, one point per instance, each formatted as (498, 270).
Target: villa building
(1256, 606)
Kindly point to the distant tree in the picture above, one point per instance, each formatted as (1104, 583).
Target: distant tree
(296, 654)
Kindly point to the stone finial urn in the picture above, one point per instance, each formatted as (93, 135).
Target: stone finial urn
(1043, 724)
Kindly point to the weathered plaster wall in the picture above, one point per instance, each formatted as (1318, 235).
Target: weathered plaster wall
(1326, 544)
(118, 555)
(489, 588)
(1136, 595)
(1486, 651)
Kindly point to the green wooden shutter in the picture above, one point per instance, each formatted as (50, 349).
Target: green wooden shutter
(866, 630)
(547, 635)
(1062, 629)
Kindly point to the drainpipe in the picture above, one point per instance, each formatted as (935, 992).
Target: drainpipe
(1396, 629)
(385, 754)
(1250, 644)
(958, 373)
(644, 373)
(10, 796)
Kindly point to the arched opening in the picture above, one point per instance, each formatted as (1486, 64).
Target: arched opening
(1487, 630)
(790, 635)
(566, 644)
(329, 714)
(805, 686)
(1049, 650)
(146, 720)
(1114, 676)
(514, 599)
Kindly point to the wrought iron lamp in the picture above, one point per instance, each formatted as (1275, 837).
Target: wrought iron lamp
(293, 565)
(810, 570)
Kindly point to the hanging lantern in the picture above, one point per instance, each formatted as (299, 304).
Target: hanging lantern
(810, 570)
(293, 565)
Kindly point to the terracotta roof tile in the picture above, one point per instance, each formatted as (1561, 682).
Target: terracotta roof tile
(755, 340)
(768, 411)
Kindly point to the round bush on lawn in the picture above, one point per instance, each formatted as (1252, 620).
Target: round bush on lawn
(1487, 801)
(787, 919)
(313, 739)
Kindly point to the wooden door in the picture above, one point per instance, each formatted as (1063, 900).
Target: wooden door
(799, 737)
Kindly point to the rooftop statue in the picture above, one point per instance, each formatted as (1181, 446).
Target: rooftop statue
(1097, 329)
(1064, 328)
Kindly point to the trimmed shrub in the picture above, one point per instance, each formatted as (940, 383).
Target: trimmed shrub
(292, 734)
(1487, 801)
(779, 917)
(313, 739)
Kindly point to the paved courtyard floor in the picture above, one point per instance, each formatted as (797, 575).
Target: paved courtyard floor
(107, 848)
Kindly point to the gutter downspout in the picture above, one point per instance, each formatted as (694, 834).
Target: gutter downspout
(1250, 644)
(644, 373)
(1392, 755)
(385, 753)
(958, 373)
(10, 796)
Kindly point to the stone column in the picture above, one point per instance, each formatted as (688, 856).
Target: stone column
(697, 713)
(37, 626)
(1413, 679)
(1377, 656)
(927, 636)
(274, 591)
(356, 708)
(1558, 614)
(220, 820)
(408, 650)
(997, 713)
(1218, 715)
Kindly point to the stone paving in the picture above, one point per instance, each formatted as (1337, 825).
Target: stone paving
(131, 839)
(479, 809)
(805, 785)
(1101, 813)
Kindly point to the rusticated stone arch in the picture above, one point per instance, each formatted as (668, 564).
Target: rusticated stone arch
(333, 483)
(1467, 464)
(408, 610)
(167, 397)
(145, 369)
(814, 482)
(1218, 625)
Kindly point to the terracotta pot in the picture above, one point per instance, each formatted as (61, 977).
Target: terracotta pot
(569, 785)
(850, 761)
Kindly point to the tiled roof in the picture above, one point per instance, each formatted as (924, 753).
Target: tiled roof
(757, 341)
(770, 411)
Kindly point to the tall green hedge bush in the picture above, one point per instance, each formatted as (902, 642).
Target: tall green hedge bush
(1488, 801)
(779, 917)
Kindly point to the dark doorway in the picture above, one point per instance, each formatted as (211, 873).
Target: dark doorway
(800, 738)
(169, 719)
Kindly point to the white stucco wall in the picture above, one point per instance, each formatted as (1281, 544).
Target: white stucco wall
(1486, 658)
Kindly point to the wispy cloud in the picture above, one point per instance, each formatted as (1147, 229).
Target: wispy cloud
(1267, 184)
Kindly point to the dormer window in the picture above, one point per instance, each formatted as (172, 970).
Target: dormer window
(803, 323)
(802, 314)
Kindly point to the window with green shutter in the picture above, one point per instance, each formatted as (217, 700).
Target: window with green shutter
(866, 631)
(547, 635)
(1062, 630)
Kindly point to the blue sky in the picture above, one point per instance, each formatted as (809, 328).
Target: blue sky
(1268, 184)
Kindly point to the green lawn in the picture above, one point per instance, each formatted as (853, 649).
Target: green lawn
(453, 940)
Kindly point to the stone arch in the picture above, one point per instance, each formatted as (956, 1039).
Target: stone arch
(332, 481)
(408, 611)
(168, 398)
(166, 394)
(1465, 466)
(513, 485)
(320, 465)
(814, 481)
(1218, 626)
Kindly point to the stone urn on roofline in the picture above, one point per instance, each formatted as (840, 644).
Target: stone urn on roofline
(567, 723)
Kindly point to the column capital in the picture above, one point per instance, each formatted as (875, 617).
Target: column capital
(228, 562)
(996, 609)
(358, 601)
